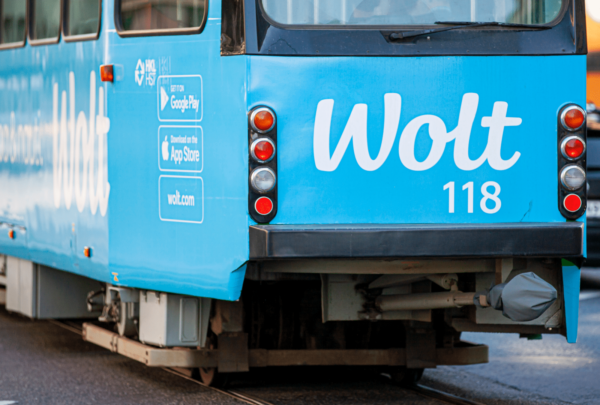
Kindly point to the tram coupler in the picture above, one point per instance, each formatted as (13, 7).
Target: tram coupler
(522, 299)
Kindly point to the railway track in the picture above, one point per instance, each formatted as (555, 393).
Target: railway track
(242, 397)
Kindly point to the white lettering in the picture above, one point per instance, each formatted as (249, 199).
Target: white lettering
(178, 199)
(73, 150)
(21, 144)
(496, 123)
(185, 103)
(356, 130)
(437, 133)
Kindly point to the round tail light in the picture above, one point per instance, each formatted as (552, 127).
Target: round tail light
(572, 203)
(263, 179)
(262, 150)
(263, 206)
(262, 120)
(573, 118)
(572, 177)
(572, 147)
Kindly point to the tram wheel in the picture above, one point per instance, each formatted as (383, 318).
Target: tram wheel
(406, 376)
(126, 324)
(212, 377)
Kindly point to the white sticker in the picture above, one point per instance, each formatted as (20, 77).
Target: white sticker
(179, 98)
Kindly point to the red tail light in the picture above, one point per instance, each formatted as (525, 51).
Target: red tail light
(573, 118)
(572, 147)
(11, 234)
(262, 120)
(87, 251)
(262, 164)
(572, 161)
(572, 203)
(262, 150)
(263, 206)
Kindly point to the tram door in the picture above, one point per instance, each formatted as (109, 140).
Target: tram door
(178, 139)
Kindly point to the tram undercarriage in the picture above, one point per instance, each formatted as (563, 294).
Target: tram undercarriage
(298, 313)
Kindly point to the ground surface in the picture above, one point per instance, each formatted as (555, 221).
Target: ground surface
(41, 363)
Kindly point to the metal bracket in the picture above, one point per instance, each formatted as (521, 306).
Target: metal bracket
(123, 294)
(233, 352)
(420, 347)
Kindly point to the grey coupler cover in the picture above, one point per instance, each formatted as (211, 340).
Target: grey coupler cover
(522, 299)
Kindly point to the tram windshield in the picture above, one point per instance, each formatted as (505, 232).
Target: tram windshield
(410, 12)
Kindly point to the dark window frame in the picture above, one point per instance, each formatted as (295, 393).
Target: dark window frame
(65, 24)
(153, 33)
(31, 22)
(13, 45)
(565, 36)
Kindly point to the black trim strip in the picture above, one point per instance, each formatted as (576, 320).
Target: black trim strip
(561, 239)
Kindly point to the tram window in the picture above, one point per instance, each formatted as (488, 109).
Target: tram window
(45, 19)
(410, 12)
(83, 17)
(159, 15)
(12, 21)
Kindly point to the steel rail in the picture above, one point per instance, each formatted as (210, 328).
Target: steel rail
(236, 395)
(440, 395)
(70, 326)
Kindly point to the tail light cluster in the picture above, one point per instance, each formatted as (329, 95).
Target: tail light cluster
(262, 164)
(572, 192)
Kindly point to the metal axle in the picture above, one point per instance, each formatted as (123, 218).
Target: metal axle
(411, 302)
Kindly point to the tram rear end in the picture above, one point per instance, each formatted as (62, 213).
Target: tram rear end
(418, 162)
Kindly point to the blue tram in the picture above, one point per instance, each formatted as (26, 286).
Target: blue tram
(285, 182)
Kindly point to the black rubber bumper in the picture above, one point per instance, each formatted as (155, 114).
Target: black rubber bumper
(564, 240)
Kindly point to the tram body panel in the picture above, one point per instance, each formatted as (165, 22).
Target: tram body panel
(387, 189)
(39, 167)
(200, 248)
(189, 258)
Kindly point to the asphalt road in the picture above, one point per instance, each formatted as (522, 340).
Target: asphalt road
(41, 363)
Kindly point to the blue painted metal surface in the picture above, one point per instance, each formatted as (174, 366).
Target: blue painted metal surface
(571, 286)
(79, 157)
(432, 86)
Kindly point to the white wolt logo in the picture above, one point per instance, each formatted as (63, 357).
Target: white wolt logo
(79, 150)
(356, 131)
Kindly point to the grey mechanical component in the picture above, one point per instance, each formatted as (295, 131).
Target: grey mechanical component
(128, 319)
(522, 299)
(121, 305)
